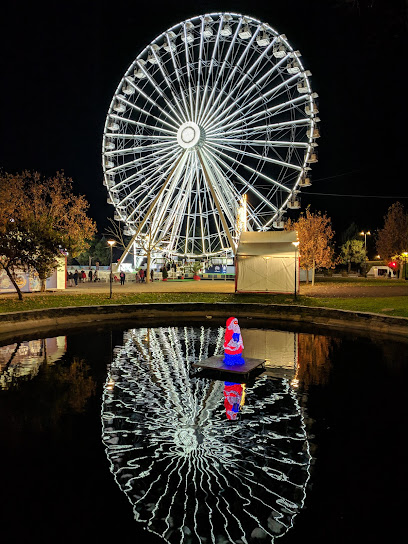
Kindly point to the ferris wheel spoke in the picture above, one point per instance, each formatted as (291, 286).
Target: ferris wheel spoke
(273, 127)
(223, 191)
(211, 182)
(247, 185)
(180, 82)
(263, 113)
(217, 226)
(273, 143)
(154, 198)
(230, 193)
(148, 173)
(221, 71)
(190, 93)
(170, 86)
(223, 109)
(112, 135)
(141, 160)
(173, 120)
(149, 147)
(200, 196)
(145, 125)
(133, 106)
(199, 70)
(253, 170)
(174, 220)
(259, 100)
(248, 70)
(263, 80)
(211, 113)
(257, 156)
(210, 69)
(162, 204)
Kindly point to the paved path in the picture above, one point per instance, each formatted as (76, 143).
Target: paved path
(320, 290)
(170, 286)
(221, 286)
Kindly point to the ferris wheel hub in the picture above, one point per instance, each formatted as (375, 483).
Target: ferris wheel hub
(189, 135)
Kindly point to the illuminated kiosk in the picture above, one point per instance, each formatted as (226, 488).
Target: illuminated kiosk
(215, 108)
(267, 262)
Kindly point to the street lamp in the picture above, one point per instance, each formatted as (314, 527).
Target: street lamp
(365, 234)
(405, 255)
(296, 246)
(111, 243)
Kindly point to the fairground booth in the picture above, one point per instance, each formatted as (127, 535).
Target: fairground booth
(267, 262)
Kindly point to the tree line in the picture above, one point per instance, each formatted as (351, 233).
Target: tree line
(316, 241)
(40, 217)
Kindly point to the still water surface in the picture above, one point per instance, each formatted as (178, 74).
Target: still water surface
(112, 434)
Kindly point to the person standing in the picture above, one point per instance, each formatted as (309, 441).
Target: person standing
(122, 277)
(142, 272)
(152, 275)
(90, 275)
(76, 277)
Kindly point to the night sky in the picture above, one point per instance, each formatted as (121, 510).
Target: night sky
(61, 63)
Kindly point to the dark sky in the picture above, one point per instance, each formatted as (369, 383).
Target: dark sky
(61, 63)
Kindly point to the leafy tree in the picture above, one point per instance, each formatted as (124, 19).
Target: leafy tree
(352, 251)
(315, 234)
(98, 251)
(38, 218)
(392, 239)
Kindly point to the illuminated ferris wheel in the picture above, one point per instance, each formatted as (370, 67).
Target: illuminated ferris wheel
(217, 110)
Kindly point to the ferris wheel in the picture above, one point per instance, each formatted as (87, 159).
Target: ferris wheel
(215, 111)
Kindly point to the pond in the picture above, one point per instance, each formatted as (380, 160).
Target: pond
(111, 433)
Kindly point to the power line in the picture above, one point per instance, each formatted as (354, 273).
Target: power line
(355, 196)
(339, 175)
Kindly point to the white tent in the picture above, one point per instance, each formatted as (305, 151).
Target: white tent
(267, 262)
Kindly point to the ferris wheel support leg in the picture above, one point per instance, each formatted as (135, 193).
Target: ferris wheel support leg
(149, 211)
(217, 204)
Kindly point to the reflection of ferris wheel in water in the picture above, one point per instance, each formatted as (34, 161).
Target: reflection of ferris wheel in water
(215, 108)
(190, 473)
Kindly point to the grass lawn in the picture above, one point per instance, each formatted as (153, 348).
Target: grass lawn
(394, 306)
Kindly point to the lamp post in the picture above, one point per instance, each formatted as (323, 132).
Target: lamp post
(111, 243)
(405, 255)
(365, 234)
(296, 246)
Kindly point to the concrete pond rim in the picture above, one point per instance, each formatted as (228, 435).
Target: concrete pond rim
(16, 324)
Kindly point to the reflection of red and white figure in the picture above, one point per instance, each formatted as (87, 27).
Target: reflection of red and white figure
(234, 396)
(233, 343)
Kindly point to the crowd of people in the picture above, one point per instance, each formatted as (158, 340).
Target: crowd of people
(73, 278)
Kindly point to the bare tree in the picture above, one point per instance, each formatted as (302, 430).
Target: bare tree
(148, 241)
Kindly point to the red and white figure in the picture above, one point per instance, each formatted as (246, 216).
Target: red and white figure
(233, 343)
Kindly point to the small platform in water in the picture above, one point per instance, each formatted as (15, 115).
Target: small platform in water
(216, 363)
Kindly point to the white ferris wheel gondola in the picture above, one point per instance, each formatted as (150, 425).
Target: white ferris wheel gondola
(217, 107)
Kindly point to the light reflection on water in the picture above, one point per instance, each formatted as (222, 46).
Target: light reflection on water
(347, 389)
(192, 474)
(22, 360)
